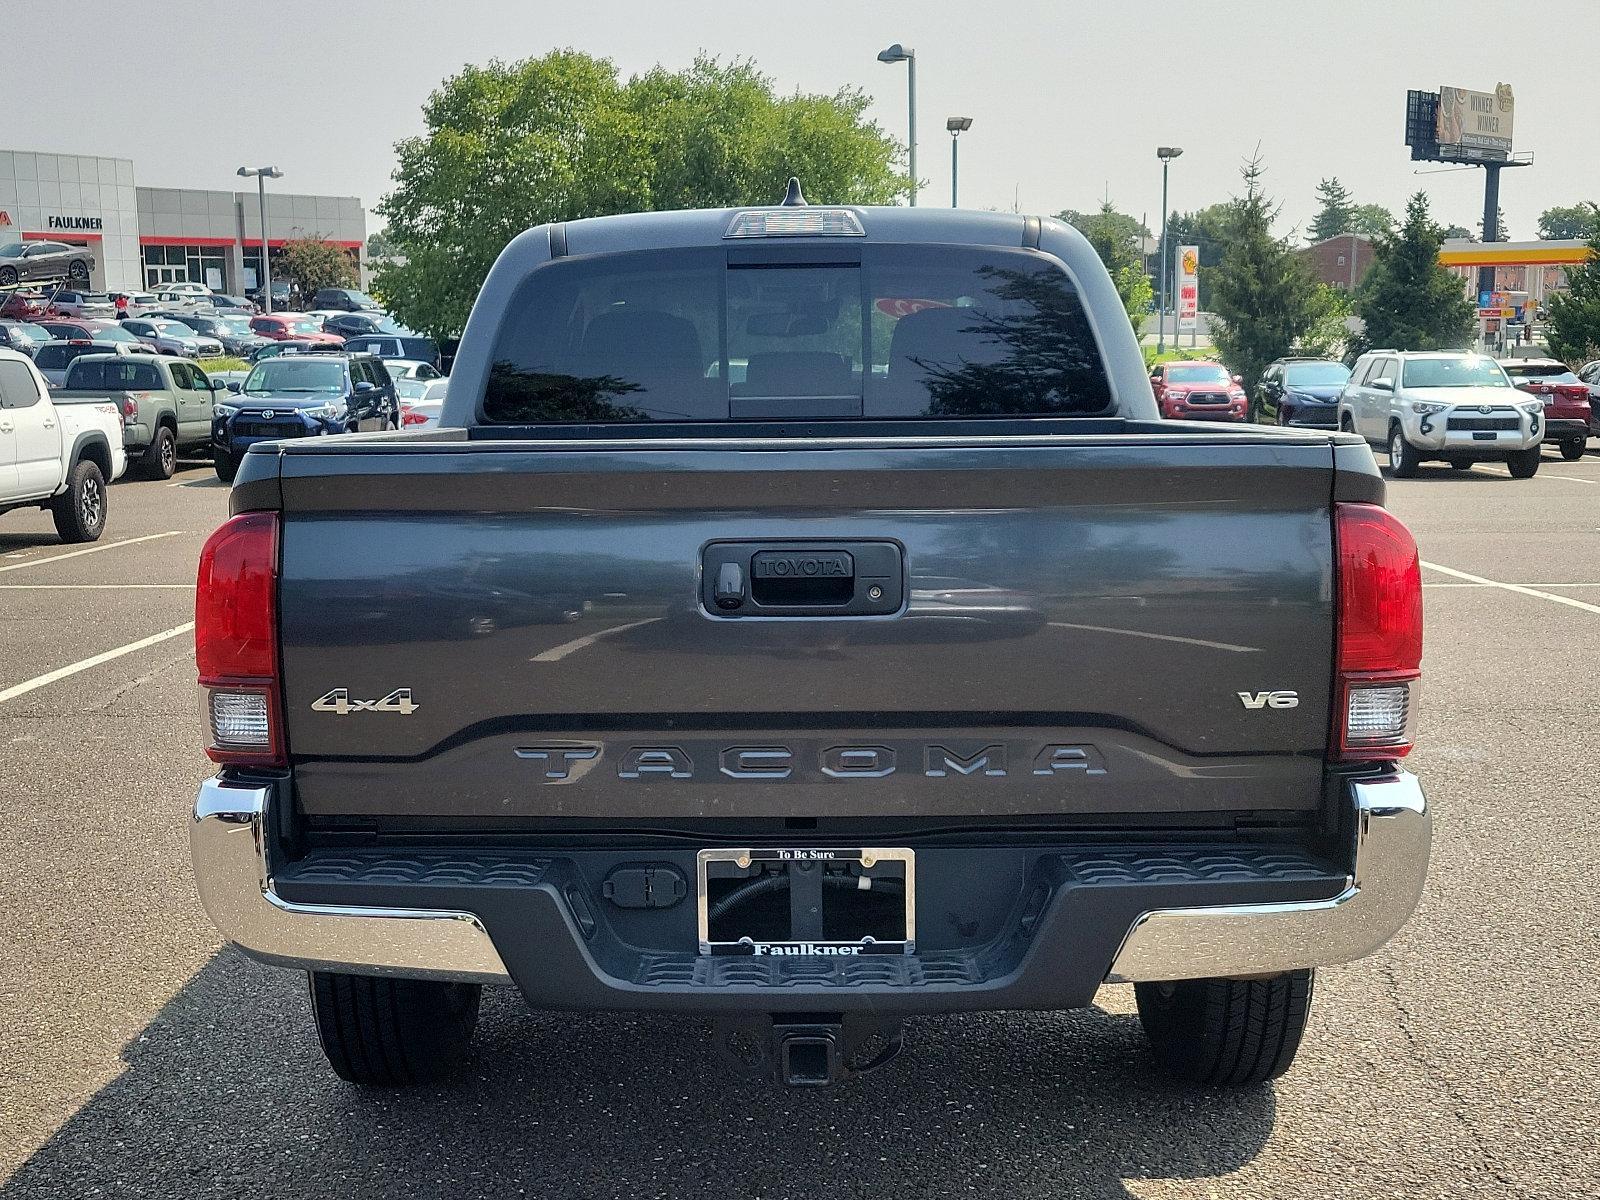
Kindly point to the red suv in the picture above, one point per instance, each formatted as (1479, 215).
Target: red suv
(1566, 401)
(1198, 391)
(22, 306)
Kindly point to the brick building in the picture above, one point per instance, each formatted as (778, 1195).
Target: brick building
(1342, 260)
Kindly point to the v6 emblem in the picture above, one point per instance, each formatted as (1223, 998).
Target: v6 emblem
(1269, 699)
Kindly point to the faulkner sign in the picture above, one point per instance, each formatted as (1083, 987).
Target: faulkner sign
(1477, 120)
(75, 224)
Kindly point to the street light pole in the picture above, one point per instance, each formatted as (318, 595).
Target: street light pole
(957, 126)
(262, 174)
(898, 53)
(1166, 154)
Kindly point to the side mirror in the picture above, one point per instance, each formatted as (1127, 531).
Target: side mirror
(233, 385)
(1238, 378)
(364, 387)
(217, 385)
(1383, 385)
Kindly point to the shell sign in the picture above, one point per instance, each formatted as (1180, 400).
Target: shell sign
(1191, 260)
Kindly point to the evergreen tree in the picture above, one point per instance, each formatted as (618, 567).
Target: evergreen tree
(1574, 332)
(1262, 292)
(1409, 301)
(1337, 214)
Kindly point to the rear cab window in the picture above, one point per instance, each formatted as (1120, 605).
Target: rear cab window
(816, 332)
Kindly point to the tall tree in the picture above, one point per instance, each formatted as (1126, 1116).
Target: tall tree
(510, 145)
(1336, 214)
(1374, 220)
(1562, 222)
(1119, 241)
(1408, 300)
(1262, 292)
(1574, 332)
(1457, 231)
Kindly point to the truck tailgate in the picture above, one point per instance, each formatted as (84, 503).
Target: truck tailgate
(1091, 625)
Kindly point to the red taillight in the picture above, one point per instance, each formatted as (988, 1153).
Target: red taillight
(236, 640)
(129, 408)
(1379, 638)
(410, 416)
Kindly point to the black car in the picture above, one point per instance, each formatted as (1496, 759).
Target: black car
(345, 299)
(302, 395)
(355, 324)
(1300, 391)
(282, 294)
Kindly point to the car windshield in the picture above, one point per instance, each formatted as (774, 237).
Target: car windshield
(1328, 374)
(13, 250)
(32, 332)
(113, 334)
(174, 328)
(306, 325)
(1197, 375)
(1467, 370)
(235, 325)
(361, 298)
(410, 389)
(311, 376)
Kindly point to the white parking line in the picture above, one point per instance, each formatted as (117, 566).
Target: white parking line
(1471, 585)
(96, 587)
(1499, 470)
(37, 562)
(39, 681)
(1522, 589)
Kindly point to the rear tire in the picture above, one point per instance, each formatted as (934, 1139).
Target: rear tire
(1403, 458)
(80, 511)
(1573, 451)
(1524, 464)
(161, 459)
(226, 464)
(1226, 1032)
(8, 277)
(393, 1032)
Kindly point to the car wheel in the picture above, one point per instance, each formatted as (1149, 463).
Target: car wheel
(8, 276)
(1346, 424)
(385, 1032)
(1572, 451)
(1524, 464)
(226, 464)
(1226, 1032)
(161, 459)
(78, 271)
(80, 511)
(1403, 459)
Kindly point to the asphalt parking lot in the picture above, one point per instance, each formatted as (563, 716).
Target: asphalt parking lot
(139, 1059)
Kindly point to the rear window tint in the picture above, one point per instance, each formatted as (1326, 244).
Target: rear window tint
(56, 357)
(115, 375)
(709, 334)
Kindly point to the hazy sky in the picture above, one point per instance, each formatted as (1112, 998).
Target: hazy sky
(1069, 98)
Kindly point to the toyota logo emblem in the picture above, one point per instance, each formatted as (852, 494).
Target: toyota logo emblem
(269, 414)
(1483, 408)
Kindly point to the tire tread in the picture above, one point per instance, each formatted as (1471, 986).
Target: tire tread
(1227, 1032)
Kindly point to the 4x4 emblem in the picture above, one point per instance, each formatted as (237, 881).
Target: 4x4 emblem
(338, 701)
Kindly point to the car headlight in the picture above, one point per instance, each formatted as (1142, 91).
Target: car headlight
(225, 410)
(334, 410)
(1428, 409)
(1532, 406)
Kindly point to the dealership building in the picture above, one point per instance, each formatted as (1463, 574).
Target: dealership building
(145, 237)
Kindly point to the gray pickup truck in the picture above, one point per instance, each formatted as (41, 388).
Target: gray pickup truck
(803, 619)
(166, 403)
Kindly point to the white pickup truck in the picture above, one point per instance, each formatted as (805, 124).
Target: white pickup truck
(56, 455)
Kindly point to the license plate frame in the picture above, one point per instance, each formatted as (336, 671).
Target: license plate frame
(744, 858)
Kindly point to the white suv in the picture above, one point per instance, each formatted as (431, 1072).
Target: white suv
(1446, 405)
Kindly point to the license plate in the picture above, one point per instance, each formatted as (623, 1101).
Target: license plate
(1483, 436)
(792, 902)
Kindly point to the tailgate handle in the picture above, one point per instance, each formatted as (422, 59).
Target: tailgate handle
(802, 579)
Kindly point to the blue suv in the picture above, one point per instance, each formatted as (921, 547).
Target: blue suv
(302, 395)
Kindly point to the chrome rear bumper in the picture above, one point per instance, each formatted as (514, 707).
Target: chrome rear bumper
(230, 838)
(1392, 831)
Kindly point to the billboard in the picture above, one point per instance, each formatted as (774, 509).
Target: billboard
(1478, 123)
(1188, 286)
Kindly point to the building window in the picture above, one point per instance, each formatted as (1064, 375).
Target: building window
(166, 265)
(1341, 260)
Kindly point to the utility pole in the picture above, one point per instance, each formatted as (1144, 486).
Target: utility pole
(957, 126)
(1491, 221)
(898, 53)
